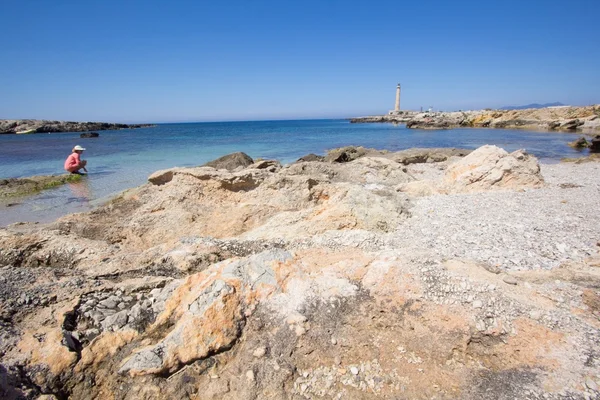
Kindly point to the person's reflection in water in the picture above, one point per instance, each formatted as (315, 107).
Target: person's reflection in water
(81, 190)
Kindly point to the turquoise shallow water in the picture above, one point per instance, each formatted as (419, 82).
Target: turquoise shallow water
(118, 160)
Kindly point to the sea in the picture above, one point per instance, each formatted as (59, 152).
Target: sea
(122, 159)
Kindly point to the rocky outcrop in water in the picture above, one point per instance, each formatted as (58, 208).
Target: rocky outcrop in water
(15, 187)
(314, 280)
(580, 143)
(88, 135)
(569, 119)
(44, 126)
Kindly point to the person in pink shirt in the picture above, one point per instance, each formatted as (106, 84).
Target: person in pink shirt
(74, 162)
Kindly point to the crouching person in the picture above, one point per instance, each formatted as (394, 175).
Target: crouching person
(74, 163)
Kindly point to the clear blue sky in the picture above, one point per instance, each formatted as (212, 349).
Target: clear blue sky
(157, 61)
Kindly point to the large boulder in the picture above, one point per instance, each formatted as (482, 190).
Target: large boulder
(345, 154)
(161, 177)
(487, 168)
(490, 167)
(231, 162)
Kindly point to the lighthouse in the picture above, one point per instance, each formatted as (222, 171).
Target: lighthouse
(397, 107)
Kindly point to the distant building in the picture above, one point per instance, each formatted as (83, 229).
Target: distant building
(396, 109)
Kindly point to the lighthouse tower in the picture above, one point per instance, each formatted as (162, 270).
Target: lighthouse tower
(397, 107)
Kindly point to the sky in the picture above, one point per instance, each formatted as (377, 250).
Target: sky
(185, 61)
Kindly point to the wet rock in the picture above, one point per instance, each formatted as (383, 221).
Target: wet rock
(580, 143)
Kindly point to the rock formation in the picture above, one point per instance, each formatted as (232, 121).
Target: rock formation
(320, 279)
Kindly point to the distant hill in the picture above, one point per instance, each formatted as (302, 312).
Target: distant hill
(534, 105)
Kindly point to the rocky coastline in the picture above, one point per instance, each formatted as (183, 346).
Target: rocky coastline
(426, 273)
(565, 119)
(11, 126)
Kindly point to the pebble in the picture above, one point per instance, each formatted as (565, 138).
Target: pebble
(295, 318)
(589, 382)
(259, 352)
(250, 375)
(511, 280)
(108, 303)
(333, 341)
(354, 370)
(477, 304)
(535, 315)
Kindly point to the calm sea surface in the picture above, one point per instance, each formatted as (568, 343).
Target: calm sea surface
(118, 160)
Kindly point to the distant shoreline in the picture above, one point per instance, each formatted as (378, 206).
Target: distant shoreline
(31, 126)
(561, 119)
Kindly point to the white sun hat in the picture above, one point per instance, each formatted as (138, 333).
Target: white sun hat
(78, 147)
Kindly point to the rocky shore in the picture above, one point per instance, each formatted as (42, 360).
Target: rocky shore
(43, 126)
(16, 187)
(568, 119)
(427, 273)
